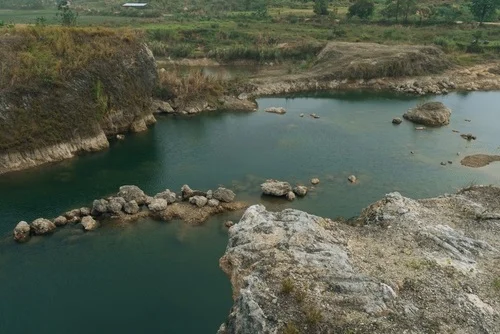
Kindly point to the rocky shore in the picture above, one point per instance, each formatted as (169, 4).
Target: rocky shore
(293, 272)
(131, 203)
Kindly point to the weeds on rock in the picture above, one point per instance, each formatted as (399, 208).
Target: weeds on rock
(290, 328)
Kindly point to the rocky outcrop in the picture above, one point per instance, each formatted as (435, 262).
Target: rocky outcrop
(71, 109)
(430, 114)
(404, 266)
(193, 107)
(275, 188)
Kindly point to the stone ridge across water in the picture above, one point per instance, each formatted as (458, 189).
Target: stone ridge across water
(131, 203)
(404, 266)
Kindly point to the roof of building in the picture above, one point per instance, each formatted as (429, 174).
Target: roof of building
(135, 4)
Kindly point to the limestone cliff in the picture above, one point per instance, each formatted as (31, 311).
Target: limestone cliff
(64, 90)
(405, 266)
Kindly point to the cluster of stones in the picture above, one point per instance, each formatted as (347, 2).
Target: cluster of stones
(282, 189)
(130, 200)
(423, 88)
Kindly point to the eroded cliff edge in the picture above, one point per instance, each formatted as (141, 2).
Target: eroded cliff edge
(405, 266)
(63, 91)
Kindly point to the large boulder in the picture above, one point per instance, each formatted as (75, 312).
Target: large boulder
(224, 195)
(42, 226)
(115, 205)
(199, 201)
(60, 221)
(157, 205)
(99, 206)
(132, 193)
(430, 114)
(89, 223)
(276, 188)
(22, 232)
(168, 195)
(131, 207)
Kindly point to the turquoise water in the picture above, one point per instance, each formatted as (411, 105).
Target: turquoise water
(154, 277)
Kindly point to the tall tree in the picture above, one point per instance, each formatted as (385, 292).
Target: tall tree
(362, 9)
(484, 9)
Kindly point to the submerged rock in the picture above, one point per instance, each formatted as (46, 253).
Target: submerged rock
(224, 195)
(157, 205)
(199, 201)
(42, 226)
(479, 160)
(397, 120)
(276, 110)
(131, 207)
(315, 181)
(132, 193)
(22, 232)
(430, 114)
(89, 223)
(468, 136)
(275, 188)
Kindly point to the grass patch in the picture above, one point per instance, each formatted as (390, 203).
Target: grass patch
(287, 286)
(496, 284)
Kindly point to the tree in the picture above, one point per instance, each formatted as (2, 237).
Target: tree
(321, 7)
(66, 15)
(484, 9)
(391, 9)
(362, 9)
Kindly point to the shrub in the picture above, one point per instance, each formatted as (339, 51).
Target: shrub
(362, 9)
(287, 286)
(313, 315)
(290, 328)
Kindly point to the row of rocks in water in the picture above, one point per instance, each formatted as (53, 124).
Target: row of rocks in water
(284, 189)
(129, 201)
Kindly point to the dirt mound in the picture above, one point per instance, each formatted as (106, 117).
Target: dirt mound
(479, 160)
(343, 60)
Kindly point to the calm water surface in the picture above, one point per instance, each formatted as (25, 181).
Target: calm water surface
(153, 277)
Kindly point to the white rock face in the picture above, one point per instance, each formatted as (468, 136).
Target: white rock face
(13, 161)
(430, 263)
(290, 245)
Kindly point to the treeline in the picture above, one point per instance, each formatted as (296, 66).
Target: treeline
(25, 4)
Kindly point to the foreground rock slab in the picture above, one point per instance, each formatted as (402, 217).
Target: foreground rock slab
(430, 114)
(403, 266)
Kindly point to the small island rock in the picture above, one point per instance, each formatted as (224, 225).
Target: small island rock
(430, 114)
(352, 178)
(315, 181)
(397, 120)
(276, 110)
(275, 188)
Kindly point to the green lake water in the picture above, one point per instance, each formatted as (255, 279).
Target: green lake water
(156, 277)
